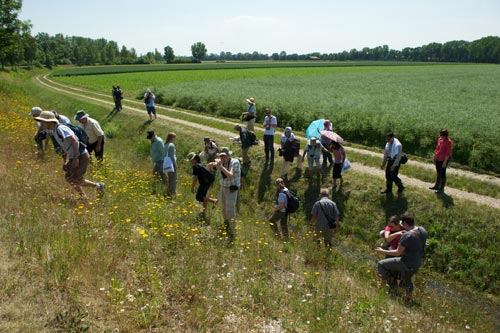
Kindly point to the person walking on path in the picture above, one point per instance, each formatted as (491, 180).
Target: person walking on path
(230, 184)
(250, 114)
(172, 153)
(325, 218)
(93, 130)
(270, 124)
(117, 98)
(442, 155)
(279, 213)
(325, 141)
(290, 148)
(407, 257)
(149, 100)
(339, 158)
(201, 177)
(76, 157)
(392, 157)
(157, 155)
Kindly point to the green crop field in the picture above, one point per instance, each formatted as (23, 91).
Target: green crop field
(364, 102)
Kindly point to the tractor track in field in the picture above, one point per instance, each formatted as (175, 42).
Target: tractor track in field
(138, 106)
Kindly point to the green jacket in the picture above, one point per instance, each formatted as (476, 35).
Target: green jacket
(157, 153)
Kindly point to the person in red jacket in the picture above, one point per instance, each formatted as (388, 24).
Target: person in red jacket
(442, 155)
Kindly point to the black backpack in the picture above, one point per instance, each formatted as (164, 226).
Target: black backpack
(83, 138)
(292, 202)
(252, 138)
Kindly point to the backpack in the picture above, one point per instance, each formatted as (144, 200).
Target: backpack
(83, 138)
(252, 138)
(403, 159)
(292, 202)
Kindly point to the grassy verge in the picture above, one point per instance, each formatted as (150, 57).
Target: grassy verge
(136, 262)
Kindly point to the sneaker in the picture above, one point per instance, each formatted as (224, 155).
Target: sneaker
(101, 187)
(385, 191)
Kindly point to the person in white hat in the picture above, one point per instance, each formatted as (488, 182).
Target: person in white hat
(250, 114)
(41, 138)
(76, 157)
(313, 151)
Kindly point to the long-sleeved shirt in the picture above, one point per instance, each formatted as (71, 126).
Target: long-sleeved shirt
(157, 150)
(443, 150)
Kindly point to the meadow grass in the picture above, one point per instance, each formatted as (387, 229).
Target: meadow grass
(363, 102)
(135, 262)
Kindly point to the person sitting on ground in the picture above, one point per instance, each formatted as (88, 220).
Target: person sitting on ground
(407, 257)
(392, 233)
(200, 176)
(313, 151)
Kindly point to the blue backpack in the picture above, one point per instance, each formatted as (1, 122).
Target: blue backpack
(83, 138)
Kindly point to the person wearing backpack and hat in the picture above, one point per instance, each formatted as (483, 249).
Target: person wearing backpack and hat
(201, 175)
(94, 132)
(324, 218)
(250, 114)
(279, 213)
(76, 157)
(230, 184)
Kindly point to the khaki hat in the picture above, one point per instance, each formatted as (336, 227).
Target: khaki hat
(48, 117)
(251, 100)
(35, 110)
(191, 156)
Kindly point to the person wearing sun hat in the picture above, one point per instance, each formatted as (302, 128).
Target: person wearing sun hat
(250, 114)
(76, 157)
(313, 151)
(40, 135)
(94, 132)
(230, 184)
(201, 175)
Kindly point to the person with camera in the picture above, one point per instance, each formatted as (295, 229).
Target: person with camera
(313, 151)
(325, 218)
(230, 184)
(393, 152)
(270, 123)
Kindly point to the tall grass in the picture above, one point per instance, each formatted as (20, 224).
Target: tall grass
(136, 262)
(364, 103)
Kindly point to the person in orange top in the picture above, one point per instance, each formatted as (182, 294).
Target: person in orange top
(442, 155)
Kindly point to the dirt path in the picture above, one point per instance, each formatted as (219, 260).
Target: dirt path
(103, 99)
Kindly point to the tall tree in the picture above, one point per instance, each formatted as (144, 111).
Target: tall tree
(198, 50)
(168, 54)
(9, 10)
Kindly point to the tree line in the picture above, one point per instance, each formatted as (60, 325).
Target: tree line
(19, 47)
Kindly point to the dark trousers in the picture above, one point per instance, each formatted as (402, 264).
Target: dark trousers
(391, 176)
(441, 172)
(269, 146)
(327, 156)
(98, 154)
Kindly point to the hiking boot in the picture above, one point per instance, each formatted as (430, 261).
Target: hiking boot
(101, 188)
(401, 188)
(386, 191)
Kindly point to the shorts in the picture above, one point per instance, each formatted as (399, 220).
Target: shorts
(201, 193)
(337, 170)
(151, 109)
(76, 175)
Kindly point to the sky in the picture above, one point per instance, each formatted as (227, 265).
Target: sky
(266, 26)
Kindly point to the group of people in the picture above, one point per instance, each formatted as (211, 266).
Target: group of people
(405, 241)
(75, 153)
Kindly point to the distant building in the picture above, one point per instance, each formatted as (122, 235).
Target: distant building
(313, 58)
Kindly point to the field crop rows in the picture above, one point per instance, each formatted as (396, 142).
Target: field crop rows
(363, 102)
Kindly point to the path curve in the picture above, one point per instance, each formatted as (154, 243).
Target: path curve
(104, 100)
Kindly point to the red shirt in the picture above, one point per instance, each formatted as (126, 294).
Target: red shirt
(443, 149)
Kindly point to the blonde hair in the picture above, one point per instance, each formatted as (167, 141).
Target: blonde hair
(170, 136)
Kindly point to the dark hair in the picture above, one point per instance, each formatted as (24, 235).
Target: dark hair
(197, 158)
(394, 219)
(390, 134)
(408, 218)
(443, 132)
